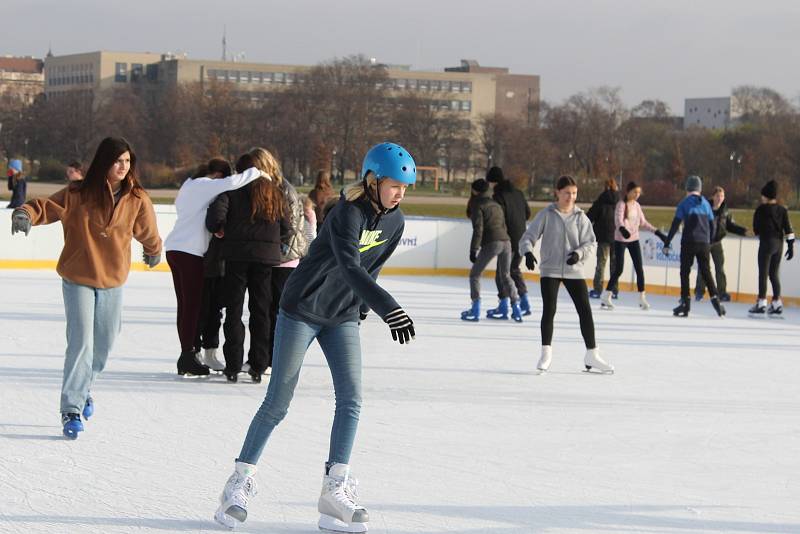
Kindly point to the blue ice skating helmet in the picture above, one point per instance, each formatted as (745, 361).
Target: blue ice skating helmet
(390, 160)
(15, 164)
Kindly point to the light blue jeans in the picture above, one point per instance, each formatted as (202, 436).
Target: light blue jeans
(94, 318)
(342, 348)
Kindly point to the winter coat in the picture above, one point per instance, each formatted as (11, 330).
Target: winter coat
(697, 217)
(771, 221)
(297, 244)
(488, 222)
(516, 210)
(337, 278)
(602, 216)
(560, 236)
(632, 222)
(19, 189)
(97, 243)
(245, 239)
(724, 223)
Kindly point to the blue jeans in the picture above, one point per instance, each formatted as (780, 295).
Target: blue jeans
(342, 348)
(94, 318)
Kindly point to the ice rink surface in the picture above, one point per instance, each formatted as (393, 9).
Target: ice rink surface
(698, 430)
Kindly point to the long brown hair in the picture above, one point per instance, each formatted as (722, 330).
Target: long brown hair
(266, 199)
(631, 186)
(93, 188)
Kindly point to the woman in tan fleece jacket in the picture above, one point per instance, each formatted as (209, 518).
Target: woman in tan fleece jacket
(100, 215)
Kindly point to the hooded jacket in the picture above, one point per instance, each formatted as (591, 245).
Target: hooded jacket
(602, 216)
(771, 221)
(697, 217)
(488, 221)
(297, 244)
(724, 223)
(515, 208)
(560, 236)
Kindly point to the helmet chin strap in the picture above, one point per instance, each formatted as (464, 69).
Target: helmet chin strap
(377, 198)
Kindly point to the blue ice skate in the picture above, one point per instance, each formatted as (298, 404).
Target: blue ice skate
(88, 408)
(516, 312)
(524, 305)
(500, 312)
(474, 313)
(72, 425)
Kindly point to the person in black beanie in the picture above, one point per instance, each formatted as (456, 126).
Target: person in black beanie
(771, 224)
(517, 212)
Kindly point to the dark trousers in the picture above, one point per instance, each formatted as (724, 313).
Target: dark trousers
(516, 277)
(187, 277)
(635, 250)
(579, 293)
(605, 253)
(210, 313)
(769, 264)
(700, 252)
(718, 255)
(279, 277)
(255, 278)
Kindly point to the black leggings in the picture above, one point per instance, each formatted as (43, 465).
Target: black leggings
(635, 251)
(579, 293)
(769, 264)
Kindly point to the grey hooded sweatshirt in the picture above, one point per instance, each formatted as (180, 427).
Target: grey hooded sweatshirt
(560, 235)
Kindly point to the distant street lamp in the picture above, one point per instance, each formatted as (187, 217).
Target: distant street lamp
(571, 157)
(333, 159)
(736, 159)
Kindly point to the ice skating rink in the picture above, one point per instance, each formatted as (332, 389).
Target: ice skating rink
(698, 430)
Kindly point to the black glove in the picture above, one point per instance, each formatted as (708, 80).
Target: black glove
(661, 235)
(573, 258)
(666, 249)
(20, 222)
(473, 255)
(624, 232)
(151, 261)
(401, 325)
(362, 316)
(530, 261)
(789, 249)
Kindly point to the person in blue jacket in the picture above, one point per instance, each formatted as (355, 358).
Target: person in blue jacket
(16, 184)
(697, 217)
(326, 298)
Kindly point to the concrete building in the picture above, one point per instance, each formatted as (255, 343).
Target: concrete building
(21, 78)
(713, 113)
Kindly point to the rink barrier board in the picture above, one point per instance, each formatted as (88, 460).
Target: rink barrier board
(439, 247)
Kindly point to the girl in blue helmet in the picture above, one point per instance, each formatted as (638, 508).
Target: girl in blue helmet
(326, 298)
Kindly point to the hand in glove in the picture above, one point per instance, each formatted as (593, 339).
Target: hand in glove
(530, 261)
(401, 325)
(666, 249)
(20, 222)
(624, 232)
(473, 255)
(661, 235)
(362, 316)
(151, 261)
(573, 258)
(789, 249)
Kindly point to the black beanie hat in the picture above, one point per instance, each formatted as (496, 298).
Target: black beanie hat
(770, 190)
(480, 185)
(495, 175)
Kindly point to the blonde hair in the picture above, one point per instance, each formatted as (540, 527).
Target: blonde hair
(266, 162)
(356, 190)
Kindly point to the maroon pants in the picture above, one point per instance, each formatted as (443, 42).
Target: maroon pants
(187, 276)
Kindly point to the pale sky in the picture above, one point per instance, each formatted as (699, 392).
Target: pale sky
(665, 49)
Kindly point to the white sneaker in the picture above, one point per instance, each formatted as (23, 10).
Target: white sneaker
(239, 488)
(592, 360)
(338, 502)
(605, 301)
(209, 359)
(547, 357)
(643, 304)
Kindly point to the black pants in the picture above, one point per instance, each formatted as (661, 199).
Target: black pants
(579, 293)
(700, 252)
(718, 255)
(255, 278)
(769, 264)
(210, 313)
(516, 276)
(635, 251)
(279, 277)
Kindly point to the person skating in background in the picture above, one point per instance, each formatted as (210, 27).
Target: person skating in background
(601, 213)
(252, 222)
(628, 219)
(489, 240)
(723, 223)
(771, 224)
(100, 215)
(321, 194)
(186, 245)
(326, 298)
(697, 217)
(567, 241)
(16, 184)
(516, 212)
(74, 171)
(310, 215)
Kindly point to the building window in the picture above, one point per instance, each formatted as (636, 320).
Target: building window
(137, 70)
(466, 86)
(436, 85)
(266, 77)
(412, 84)
(151, 71)
(466, 105)
(423, 85)
(289, 78)
(455, 105)
(121, 72)
(278, 76)
(455, 87)
(401, 83)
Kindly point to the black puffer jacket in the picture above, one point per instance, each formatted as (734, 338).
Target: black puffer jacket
(602, 216)
(488, 221)
(245, 240)
(723, 223)
(516, 210)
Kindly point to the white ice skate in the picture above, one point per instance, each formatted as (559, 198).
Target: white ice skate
(545, 359)
(759, 310)
(338, 502)
(209, 358)
(605, 301)
(593, 361)
(775, 310)
(239, 488)
(643, 304)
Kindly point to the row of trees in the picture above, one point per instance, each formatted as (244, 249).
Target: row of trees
(342, 107)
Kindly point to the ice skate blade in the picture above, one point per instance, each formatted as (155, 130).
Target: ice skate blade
(224, 520)
(592, 371)
(606, 307)
(756, 315)
(331, 524)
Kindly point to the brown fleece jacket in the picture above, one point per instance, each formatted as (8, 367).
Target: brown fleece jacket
(97, 244)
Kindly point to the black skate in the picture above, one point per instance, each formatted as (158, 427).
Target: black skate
(188, 365)
(682, 310)
(718, 307)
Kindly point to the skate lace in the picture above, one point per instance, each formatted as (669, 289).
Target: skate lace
(242, 489)
(344, 491)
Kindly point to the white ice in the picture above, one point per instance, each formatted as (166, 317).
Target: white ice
(698, 430)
